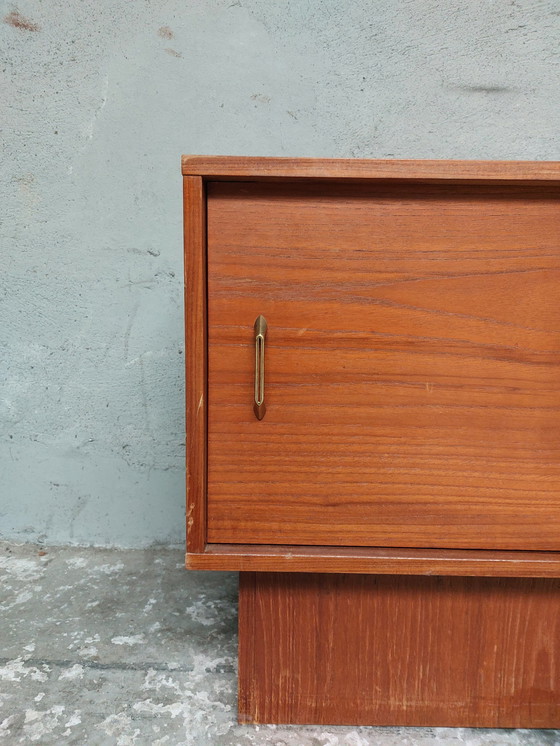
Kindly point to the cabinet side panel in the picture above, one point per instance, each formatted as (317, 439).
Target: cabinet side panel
(196, 356)
(367, 650)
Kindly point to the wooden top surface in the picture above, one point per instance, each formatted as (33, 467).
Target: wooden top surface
(234, 167)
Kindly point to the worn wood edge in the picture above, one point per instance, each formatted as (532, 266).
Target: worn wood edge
(195, 359)
(235, 167)
(378, 561)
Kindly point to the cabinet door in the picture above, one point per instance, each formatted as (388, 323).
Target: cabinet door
(411, 364)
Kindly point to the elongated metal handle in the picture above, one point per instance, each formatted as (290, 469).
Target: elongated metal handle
(259, 407)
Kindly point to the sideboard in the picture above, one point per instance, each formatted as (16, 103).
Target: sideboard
(373, 437)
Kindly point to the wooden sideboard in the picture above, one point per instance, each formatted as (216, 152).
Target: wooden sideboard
(373, 401)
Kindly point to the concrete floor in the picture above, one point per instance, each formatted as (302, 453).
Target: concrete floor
(125, 647)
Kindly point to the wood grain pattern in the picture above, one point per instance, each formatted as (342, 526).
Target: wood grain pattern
(412, 365)
(194, 201)
(367, 650)
(244, 167)
(376, 560)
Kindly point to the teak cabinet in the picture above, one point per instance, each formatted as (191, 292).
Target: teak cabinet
(373, 391)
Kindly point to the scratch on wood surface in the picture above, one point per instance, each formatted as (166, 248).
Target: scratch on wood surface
(201, 400)
(190, 517)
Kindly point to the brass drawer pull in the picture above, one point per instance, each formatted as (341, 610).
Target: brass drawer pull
(260, 333)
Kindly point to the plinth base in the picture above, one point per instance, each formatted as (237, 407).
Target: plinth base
(399, 650)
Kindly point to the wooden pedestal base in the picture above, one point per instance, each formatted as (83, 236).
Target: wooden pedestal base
(398, 650)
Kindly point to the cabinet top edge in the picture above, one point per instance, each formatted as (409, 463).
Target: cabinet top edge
(251, 167)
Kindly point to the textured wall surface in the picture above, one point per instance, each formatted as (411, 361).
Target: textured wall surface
(98, 100)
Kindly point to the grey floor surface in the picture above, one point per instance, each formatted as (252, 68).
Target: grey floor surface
(125, 647)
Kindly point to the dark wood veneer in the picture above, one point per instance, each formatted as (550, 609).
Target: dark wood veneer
(386, 650)
(507, 487)
(395, 517)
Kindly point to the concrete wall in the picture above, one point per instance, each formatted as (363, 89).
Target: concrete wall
(99, 98)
